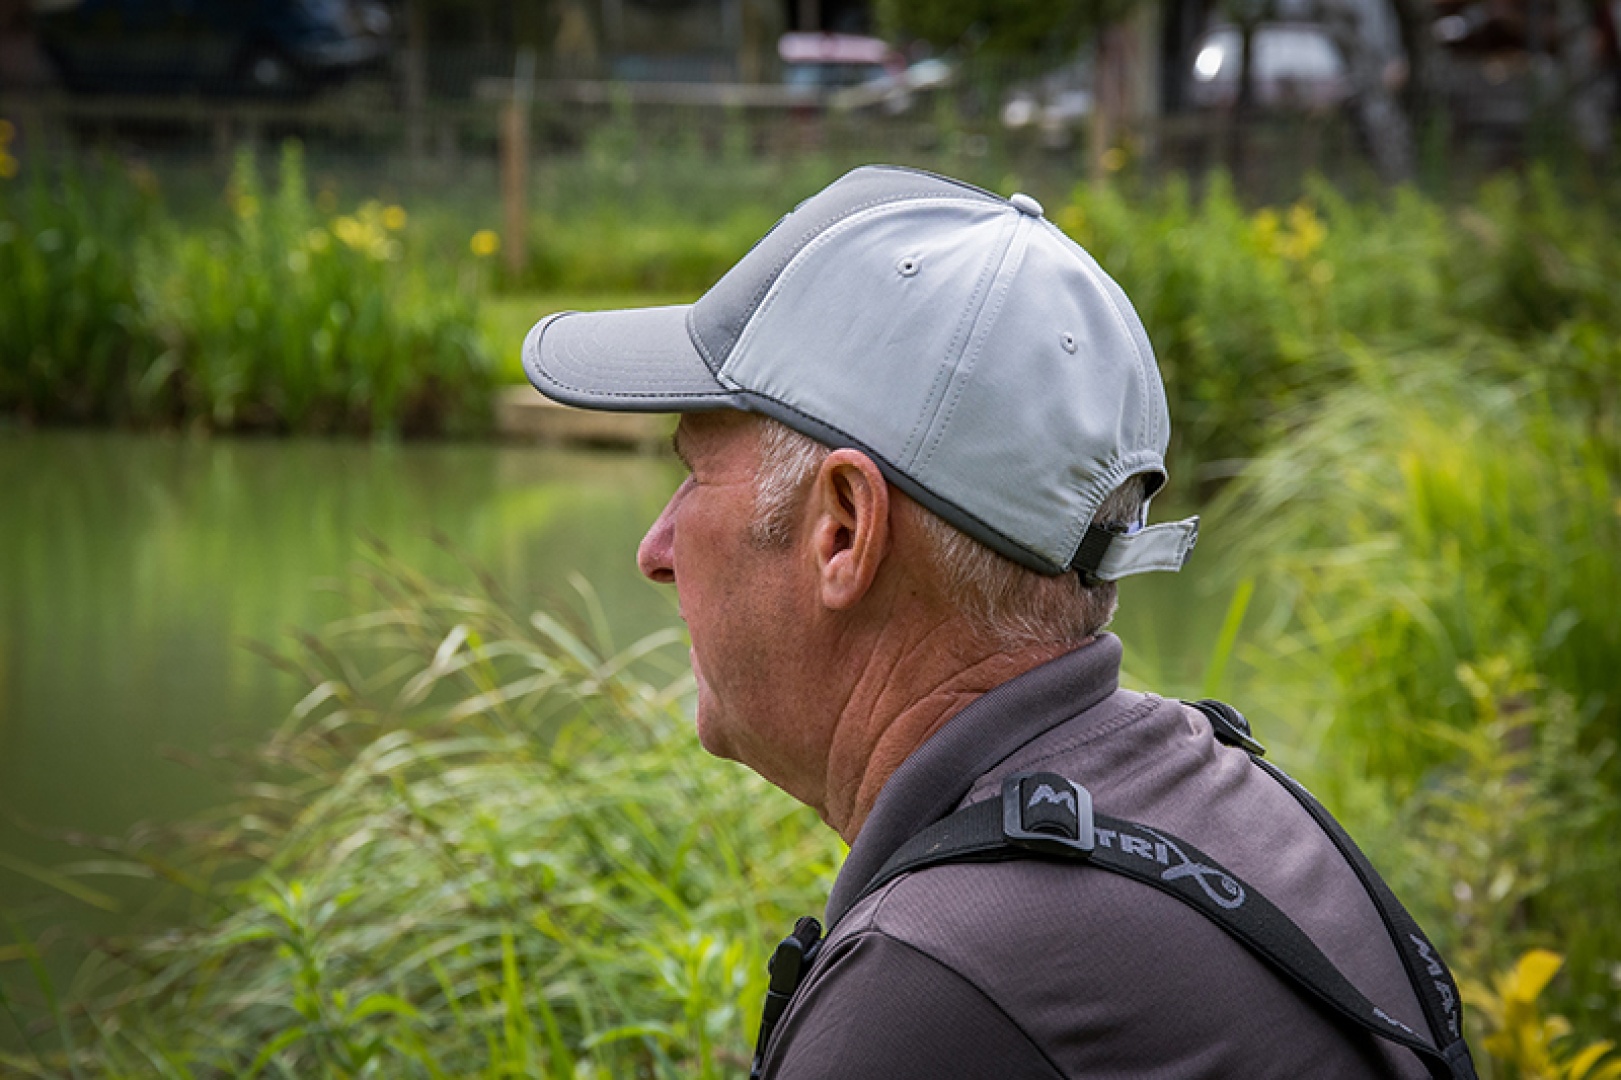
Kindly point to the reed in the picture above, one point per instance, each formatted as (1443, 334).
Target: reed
(284, 318)
(480, 846)
(73, 340)
(1434, 643)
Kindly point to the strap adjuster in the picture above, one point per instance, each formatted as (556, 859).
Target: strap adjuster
(1045, 812)
(1229, 725)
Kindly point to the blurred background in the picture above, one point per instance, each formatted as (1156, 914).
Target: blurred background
(336, 728)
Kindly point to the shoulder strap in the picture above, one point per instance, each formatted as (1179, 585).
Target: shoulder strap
(1432, 981)
(1045, 815)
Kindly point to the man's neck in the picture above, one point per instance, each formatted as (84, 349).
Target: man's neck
(902, 697)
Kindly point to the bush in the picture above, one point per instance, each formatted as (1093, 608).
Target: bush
(607, 252)
(282, 320)
(1253, 314)
(1426, 518)
(1436, 642)
(76, 344)
(285, 321)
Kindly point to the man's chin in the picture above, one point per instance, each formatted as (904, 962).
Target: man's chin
(711, 734)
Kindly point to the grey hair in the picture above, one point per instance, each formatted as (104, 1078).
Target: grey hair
(1012, 605)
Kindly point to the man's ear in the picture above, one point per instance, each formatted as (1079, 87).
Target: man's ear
(849, 529)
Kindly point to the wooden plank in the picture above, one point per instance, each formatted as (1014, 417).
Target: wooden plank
(524, 414)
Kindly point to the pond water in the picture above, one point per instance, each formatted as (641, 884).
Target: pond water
(133, 570)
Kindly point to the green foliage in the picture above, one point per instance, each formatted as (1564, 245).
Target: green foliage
(1504, 849)
(1531, 258)
(1522, 1038)
(75, 342)
(1427, 517)
(1436, 553)
(998, 27)
(479, 847)
(283, 319)
(1252, 313)
(608, 252)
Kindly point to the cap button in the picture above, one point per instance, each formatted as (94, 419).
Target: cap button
(1024, 204)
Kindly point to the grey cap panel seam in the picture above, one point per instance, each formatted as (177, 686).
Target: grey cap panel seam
(1093, 269)
(806, 238)
(952, 361)
(970, 358)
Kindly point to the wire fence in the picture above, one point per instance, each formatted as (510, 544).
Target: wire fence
(430, 129)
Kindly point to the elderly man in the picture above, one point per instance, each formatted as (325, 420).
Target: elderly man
(922, 429)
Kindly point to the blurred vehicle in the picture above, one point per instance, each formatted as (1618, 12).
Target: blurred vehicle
(1055, 104)
(269, 47)
(897, 94)
(821, 63)
(1294, 66)
(850, 71)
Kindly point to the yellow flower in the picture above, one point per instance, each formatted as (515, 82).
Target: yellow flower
(8, 131)
(8, 166)
(484, 243)
(1308, 231)
(1114, 159)
(1521, 1035)
(1264, 227)
(350, 231)
(394, 218)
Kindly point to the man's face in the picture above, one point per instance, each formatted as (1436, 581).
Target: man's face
(745, 605)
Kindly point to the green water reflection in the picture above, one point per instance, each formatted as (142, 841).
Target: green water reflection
(132, 569)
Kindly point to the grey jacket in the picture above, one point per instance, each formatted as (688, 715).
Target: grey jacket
(1035, 969)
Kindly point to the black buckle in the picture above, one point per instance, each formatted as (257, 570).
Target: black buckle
(1044, 812)
(1229, 725)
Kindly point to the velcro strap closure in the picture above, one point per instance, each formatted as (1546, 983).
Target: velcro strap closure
(1158, 547)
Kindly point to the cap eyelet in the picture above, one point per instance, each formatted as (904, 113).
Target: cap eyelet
(908, 266)
(1067, 340)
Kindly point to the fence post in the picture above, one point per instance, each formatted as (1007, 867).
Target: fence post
(415, 72)
(515, 163)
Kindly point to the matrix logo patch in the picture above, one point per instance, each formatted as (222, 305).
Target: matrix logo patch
(1221, 887)
(1046, 794)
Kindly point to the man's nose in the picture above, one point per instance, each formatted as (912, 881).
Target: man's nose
(655, 557)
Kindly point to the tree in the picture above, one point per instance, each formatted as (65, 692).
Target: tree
(1001, 28)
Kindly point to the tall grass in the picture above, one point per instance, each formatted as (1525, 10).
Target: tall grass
(279, 315)
(281, 319)
(74, 342)
(1438, 555)
(293, 319)
(1426, 517)
(481, 846)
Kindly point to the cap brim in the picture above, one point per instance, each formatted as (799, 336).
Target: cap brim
(640, 360)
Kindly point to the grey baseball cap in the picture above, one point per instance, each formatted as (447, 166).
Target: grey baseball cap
(977, 354)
